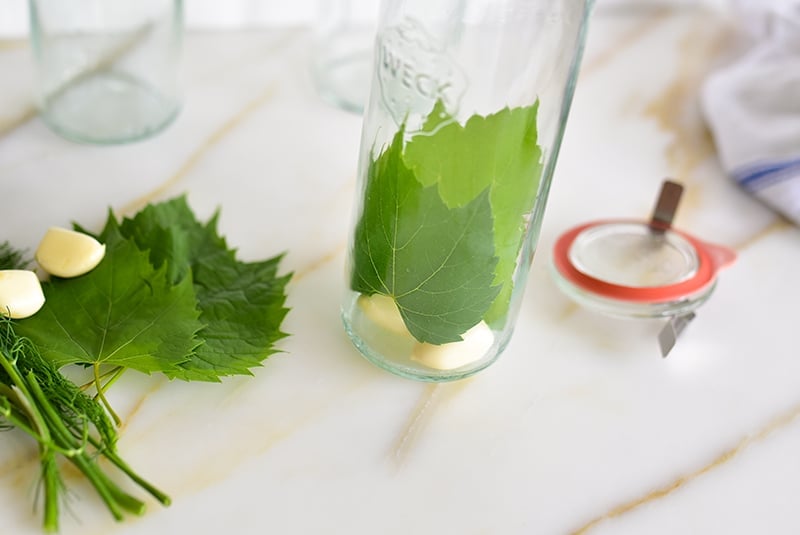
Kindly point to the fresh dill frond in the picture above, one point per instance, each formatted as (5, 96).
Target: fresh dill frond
(38, 400)
(11, 258)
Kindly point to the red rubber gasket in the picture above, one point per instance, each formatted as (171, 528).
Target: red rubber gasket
(710, 259)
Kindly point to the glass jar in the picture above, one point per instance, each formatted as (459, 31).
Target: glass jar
(107, 72)
(341, 63)
(466, 114)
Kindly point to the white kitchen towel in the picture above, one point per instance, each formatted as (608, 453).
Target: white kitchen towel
(752, 106)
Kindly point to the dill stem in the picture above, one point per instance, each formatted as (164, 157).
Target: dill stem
(47, 460)
(24, 404)
(86, 386)
(27, 408)
(51, 488)
(80, 458)
(18, 419)
(100, 484)
(116, 373)
(101, 395)
(123, 466)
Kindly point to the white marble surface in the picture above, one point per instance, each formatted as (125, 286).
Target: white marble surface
(579, 428)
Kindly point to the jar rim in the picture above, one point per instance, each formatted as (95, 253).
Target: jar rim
(584, 257)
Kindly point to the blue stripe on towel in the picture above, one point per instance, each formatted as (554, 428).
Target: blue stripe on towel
(760, 175)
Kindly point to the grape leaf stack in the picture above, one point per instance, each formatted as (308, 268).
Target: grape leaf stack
(170, 296)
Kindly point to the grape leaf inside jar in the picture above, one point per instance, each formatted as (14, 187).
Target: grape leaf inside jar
(443, 220)
(437, 263)
(499, 152)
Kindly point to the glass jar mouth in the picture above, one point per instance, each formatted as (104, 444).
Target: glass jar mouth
(645, 270)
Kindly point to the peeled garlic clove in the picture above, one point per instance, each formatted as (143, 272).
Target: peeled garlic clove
(476, 342)
(20, 293)
(67, 253)
(383, 311)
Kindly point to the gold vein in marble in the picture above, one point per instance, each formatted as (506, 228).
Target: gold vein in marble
(17, 464)
(210, 142)
(220, 467)
(625, 40)
(318, 263)
(241, 451)
(416, 422)
(781, 421)
(677, 111)
(567, 312)
(26, 114)
(12, 44)
(126, 420)
(778, 225)
(304, 271)
(433, 397)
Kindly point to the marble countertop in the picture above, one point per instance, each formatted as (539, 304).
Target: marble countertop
(580, 427)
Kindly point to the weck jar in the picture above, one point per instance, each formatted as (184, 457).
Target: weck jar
(468, 104)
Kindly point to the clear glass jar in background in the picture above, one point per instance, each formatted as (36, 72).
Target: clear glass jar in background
(107, 71)
(466, 114)
(343, 46)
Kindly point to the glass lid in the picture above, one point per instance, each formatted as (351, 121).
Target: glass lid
(635, 262)
(635, 268)
(633, 254)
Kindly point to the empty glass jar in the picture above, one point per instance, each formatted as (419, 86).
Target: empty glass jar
(341, 62)
(107, 71)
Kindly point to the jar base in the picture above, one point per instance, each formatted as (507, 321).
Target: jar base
(108, 108)
(393, 352)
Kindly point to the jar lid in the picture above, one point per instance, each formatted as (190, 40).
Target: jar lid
(637, 268)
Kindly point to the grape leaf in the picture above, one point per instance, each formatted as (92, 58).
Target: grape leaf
(498, 152)
(436, 262)
(124, 312)
(241, 303)
(174, 236)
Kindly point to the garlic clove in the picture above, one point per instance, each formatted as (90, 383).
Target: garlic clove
(476, 342)
(21, 293)
(383, 311)
(68, 253)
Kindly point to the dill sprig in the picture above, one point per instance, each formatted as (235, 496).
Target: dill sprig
(11, 258)
(36, 399)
